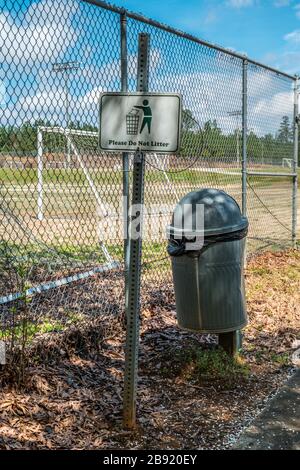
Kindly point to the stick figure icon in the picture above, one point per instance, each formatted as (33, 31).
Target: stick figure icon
(147, 115)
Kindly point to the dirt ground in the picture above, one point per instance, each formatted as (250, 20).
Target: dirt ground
(72, 398)
(72, 216)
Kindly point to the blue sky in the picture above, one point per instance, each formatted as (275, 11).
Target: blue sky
(267, 30)
(34, 34)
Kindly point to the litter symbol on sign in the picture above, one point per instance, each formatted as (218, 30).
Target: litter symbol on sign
(133, 119)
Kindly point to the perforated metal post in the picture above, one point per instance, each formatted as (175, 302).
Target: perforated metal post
(125, 157)
(133, 300)
(295, 164)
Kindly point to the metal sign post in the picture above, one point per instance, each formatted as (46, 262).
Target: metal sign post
(136, 122)
(125, 156)
(134, 275)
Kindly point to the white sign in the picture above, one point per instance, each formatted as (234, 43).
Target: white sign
(140, 121)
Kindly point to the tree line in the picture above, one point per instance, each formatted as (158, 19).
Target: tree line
(209, 141)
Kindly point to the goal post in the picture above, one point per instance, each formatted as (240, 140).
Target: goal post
(68, 134)
(287, 162)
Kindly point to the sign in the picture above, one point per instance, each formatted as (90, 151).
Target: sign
(148, 122)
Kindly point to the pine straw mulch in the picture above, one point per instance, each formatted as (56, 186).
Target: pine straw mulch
(72, 398)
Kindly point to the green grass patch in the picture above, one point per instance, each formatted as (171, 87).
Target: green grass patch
(106, 177)
(209, 367)
(281, 359)
(29, 329)
(100, 176)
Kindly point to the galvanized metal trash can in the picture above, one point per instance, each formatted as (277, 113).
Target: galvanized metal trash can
(209, 281)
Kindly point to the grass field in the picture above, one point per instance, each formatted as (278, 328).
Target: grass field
(73, 225)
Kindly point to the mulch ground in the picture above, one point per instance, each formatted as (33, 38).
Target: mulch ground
(72, 397)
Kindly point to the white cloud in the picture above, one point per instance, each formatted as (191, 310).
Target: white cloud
(297, 8)
(44, 33)
(2, 93)
(211, 17)
(288, 61)
(91, 97)
(240, 3)
(50, 106)
(293, 37)
(47, 102)
(274, 106)
(209, 95)
(282, 3)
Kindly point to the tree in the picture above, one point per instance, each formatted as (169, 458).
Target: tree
(285, 132)
(213, 139)
(189, 123)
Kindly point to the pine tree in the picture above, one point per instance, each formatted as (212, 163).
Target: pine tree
(285, 132)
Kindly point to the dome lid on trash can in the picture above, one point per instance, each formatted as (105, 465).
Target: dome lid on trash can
(222, 213)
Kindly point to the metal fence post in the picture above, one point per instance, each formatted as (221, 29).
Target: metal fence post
(244, 137)
(40, 211)
(134, 275)
(295, 165)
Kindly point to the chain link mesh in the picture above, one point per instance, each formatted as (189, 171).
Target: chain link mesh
(61, 216)
(270, 147)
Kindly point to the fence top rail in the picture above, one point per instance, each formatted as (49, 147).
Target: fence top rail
(157, 24)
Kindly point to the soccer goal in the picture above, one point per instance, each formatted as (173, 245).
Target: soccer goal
(89, 141)
(52, 143)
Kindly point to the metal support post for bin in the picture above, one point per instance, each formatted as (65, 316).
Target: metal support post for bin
(134, 275)
(231, 342)
(295, 165)
(125, 157)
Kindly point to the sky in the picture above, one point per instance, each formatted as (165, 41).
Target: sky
(34, 34)
(266, 30)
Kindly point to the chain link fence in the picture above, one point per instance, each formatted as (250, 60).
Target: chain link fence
(61, 211)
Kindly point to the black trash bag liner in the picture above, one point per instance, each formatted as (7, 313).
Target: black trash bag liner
(178, 247)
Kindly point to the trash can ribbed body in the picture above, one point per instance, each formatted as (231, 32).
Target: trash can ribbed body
(209, 284)
(209, 289)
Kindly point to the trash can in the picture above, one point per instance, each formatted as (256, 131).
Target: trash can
(209, 279)
(132, 122)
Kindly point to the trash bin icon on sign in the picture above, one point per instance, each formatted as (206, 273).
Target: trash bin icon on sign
(132, 122)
